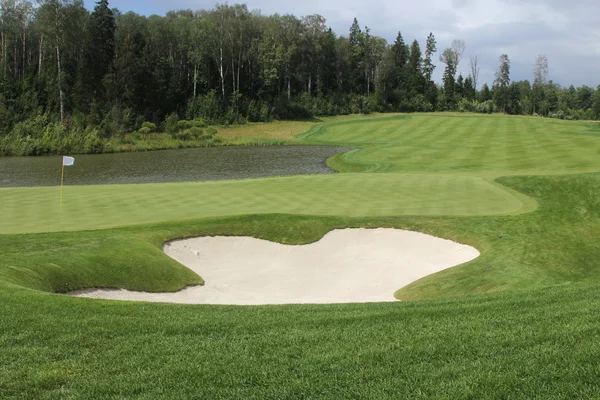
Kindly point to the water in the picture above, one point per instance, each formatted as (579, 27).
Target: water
(216, 163)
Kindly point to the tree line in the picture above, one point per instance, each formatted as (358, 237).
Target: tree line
(66, 72)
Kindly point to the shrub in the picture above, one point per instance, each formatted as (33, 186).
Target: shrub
(145, 130)
(129, 139)
(185, 136)
(183, 125)
(172, 123)
(210, 132)
(198, 123)
(108, 148)
(285, 110)
(207, 106)
(150, 126)
(92, 143)
(195, 131)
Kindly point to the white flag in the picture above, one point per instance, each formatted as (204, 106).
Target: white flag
(68, 161)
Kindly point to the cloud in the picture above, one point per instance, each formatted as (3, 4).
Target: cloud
(566, 31)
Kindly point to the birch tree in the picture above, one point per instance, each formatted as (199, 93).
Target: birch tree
(475, 69)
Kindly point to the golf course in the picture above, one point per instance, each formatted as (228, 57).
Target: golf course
(519, 321)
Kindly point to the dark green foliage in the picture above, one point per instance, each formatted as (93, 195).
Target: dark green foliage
(99, 54)
(469, 91)
(449, 86)
(286, 110)
(171, 124)
(258, 111)
(225, 65)
(485, 94)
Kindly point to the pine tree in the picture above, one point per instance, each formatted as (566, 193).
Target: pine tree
(469, 89)
(400, 51)
(449, 86)
(430, 49)
(357, 58)
(100, 50)
(414, 68)
(502, 82)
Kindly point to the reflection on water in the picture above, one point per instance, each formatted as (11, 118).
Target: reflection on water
(216, 163)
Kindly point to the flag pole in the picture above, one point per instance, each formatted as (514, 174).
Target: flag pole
(62, 178)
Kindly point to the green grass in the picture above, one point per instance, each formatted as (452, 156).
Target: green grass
(521, 321)
(540, 344)
(476, 145)
(92, 207)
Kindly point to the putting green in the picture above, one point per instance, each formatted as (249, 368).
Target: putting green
(26, 210)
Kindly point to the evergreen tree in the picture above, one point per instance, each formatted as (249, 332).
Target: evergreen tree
(357, 58)
(502, 82)
(485, 93)
(430, 49)
(459, 89)
(449, 87)
(400, 52)
(99, 55)
(415, 74)
(469, 89)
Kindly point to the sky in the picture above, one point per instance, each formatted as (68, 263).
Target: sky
(566, 31)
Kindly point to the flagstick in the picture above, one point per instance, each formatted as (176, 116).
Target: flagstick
(62, 178)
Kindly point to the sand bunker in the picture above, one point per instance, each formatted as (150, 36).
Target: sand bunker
(346, 266)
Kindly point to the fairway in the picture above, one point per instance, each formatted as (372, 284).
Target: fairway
(476, 145)
(520, 321)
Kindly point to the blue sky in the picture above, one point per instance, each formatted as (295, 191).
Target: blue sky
(568, 32)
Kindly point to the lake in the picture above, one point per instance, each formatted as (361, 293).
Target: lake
(215, 163)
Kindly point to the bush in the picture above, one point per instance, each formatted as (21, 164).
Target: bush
(129, 139)
(210, 132)
(93, 144)
(195, 131)
(183, 125)
(150, 126)
(285, 110)
(206, 106)
(487, 107)
(198, 123)
(171, 123)
(185, 136)
(145, 130)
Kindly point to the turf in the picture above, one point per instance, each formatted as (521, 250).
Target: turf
(518, 322)
(92, 207)
(541, 344)
(477, 145)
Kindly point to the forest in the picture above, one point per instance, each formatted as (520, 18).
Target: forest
(71, 78)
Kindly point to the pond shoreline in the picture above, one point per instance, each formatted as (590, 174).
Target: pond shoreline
(170, 165)
(154, 142)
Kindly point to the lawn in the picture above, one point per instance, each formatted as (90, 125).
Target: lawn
(521, 321)
(27, 210)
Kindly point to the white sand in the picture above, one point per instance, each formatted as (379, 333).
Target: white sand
(346, 266)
